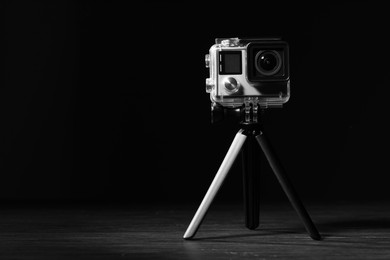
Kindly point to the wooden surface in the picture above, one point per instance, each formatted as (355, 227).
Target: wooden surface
(350, 231)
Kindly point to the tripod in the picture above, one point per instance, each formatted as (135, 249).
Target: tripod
(245, 138)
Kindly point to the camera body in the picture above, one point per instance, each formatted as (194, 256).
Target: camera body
(248, 70)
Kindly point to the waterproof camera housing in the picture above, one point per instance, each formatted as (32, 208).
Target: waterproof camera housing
(246, 71)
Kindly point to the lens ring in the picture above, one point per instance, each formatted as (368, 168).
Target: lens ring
(273, 71)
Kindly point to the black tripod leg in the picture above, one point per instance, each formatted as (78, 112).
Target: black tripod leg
(251, 185)
(287, 186)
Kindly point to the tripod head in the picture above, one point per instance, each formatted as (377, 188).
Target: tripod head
(247, 114)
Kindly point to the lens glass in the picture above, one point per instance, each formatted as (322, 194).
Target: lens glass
(268, 62)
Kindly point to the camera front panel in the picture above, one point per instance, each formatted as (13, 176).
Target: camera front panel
(256, 69)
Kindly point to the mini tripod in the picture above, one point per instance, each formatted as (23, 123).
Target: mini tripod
(245, 139)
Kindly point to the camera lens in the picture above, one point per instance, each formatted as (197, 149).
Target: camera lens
(268, 63)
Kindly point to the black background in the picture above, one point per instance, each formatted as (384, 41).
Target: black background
(105, 101)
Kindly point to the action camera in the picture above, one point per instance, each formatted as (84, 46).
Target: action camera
(248, 69)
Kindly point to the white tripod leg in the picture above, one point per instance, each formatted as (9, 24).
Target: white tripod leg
(227, 163)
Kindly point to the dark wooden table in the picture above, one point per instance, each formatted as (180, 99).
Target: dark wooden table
(350, 231)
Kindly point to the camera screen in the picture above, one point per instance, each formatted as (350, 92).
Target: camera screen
(230, 62)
